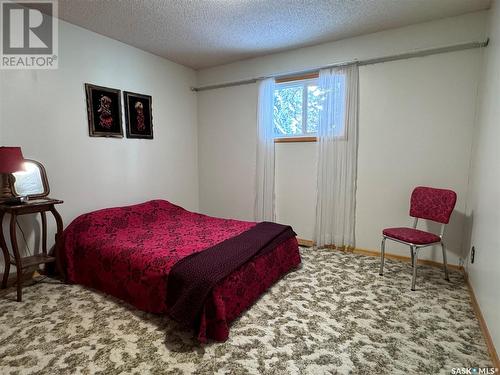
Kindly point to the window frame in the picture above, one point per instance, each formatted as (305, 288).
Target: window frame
(304, 83)
(307, 137)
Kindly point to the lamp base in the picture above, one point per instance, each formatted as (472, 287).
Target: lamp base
(5, 187)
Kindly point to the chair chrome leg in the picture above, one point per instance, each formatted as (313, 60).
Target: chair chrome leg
(382, 255)
(414, 252)
(445, 263)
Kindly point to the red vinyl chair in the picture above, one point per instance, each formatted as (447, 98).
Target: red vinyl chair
(429, 204)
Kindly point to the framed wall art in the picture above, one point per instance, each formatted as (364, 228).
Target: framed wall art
(104, 111)
(138, 115)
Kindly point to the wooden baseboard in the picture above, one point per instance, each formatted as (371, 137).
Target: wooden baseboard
(11, 281)
(375, 253)
(482, 324)
(406, 259)
(305, 243)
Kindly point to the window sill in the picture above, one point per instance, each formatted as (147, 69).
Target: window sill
(295, 139)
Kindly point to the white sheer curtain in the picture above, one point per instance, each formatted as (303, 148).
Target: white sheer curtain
(337, 157)
(264, 200)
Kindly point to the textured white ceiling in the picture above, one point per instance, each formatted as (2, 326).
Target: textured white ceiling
(204, 33)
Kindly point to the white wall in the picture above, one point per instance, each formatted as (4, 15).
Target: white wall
(416, 121)
(296, 186)
(484, 210)
(44, 112)
(443, 32)
(416, 125)
(227, 151)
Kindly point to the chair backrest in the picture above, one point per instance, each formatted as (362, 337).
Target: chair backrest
(432, 204)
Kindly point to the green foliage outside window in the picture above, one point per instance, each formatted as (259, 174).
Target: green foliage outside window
(290, 103)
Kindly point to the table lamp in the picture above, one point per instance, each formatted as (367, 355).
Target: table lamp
(11, 160)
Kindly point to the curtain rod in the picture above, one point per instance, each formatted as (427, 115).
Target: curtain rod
(376, 60)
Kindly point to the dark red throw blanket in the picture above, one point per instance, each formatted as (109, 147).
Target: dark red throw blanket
(192, 278)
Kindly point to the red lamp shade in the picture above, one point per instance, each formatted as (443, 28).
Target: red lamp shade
(11, 159)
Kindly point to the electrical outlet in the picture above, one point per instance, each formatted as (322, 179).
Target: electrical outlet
(472, 254)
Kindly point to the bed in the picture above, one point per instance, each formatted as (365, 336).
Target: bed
(132, 252)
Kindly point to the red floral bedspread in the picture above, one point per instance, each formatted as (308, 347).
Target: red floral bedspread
(128, 252)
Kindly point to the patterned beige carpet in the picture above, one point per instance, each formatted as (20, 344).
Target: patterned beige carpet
(333, 315)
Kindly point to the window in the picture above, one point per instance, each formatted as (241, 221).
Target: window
(297, 107)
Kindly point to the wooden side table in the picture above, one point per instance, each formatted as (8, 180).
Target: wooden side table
(42, 206)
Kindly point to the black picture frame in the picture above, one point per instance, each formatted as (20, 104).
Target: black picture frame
(104, 111)
(138, 115)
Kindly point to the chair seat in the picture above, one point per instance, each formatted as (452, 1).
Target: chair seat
(410, 235)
